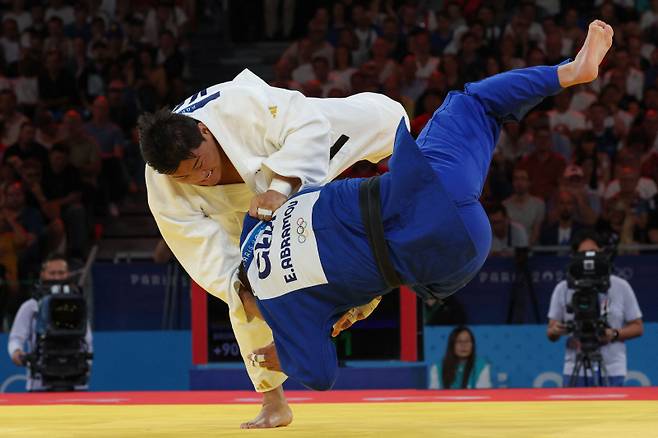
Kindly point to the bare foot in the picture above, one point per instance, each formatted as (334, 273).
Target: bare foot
(585, 68)
(275, 412)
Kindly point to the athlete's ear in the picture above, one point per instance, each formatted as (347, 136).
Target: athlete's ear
(203, 128)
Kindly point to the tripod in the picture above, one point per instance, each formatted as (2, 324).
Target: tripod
(586, 360)
(522, 286)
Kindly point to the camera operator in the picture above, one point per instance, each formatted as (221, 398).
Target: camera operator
(23, 331)
(618, 308)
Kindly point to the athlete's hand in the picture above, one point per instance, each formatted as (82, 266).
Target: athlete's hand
(251, 309)
(18, 357)
(264, 205)
(265, 357)
(353, 315)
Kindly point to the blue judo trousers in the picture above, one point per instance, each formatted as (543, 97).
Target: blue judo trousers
(436, 230)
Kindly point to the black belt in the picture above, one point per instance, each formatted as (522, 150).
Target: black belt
(371, 214)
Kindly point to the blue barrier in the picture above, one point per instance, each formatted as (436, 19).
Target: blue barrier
(131, 296)
(353, 375)
(123, 361)
(486, 298)
(521, 356)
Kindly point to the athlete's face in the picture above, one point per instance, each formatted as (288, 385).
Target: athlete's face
(205, 167)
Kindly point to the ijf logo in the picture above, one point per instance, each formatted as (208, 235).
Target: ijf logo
(301, 230)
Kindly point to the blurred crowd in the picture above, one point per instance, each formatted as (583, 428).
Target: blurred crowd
(74, 75)
(587, 157)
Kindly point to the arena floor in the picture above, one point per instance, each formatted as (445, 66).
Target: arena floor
(583, 413)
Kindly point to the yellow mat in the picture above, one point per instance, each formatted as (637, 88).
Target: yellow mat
(593, 419)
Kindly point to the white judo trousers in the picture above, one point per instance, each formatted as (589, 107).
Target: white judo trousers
(263, 130)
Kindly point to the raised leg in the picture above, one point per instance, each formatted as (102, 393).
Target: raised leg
(460, 137)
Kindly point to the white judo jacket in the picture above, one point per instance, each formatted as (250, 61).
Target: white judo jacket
(262, 129)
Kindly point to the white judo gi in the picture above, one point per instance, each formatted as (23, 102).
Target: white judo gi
(263, 130)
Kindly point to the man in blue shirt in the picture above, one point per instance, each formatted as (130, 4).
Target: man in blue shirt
(330, 249)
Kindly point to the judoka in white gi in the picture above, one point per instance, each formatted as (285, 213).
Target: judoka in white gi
(251, 146)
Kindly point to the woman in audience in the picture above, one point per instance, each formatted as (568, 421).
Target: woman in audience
(460, 368)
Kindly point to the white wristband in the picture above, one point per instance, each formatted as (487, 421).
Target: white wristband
(281, 185)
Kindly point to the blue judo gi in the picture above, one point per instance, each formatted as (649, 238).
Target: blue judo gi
(313, 261)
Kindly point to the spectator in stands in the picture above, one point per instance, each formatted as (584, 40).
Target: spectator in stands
(544, 166)
(123, 107)
(507, 235)
(84, 152)
(38, 13)
(18, 13)
(621, 310)
(343, 68)
(587, 202)
(514, 142)
(613, 98)
(283, 75)
(449, 68)
(390, 33)
(303, 71)
(460, 368)
(365, 33)
(56, 39)
(624, 222)
(563, 119)
(13, 238)
(47, 132)
(110, 140)
(152, 78)
(12, 120)
(80, 27)
(392, 89)
(381, 51)
(419, 46)
(633, 78)
(471, 63)
(316, 42)
(10, 41)
(58, 8)
(26, 148)
(411, 86)
(629, 184)
(166, 16)
(524, 208)
(57, 88)
(607, 138)
(26, 83)
(62, 187)
(40, 236)
(22, 335)
(562, 231)
(321, 72)
(595, 164)
(442, 36)
(429, 102)
(170, 57)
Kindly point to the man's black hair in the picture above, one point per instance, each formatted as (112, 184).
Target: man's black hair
(166, 139)
(586, 234)
(53, 257)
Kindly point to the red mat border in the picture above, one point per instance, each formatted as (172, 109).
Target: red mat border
(370, 396)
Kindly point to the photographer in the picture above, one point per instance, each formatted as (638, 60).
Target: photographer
(619, 311)
(23, 331)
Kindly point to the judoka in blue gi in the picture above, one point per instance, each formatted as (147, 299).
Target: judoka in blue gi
(421, 224)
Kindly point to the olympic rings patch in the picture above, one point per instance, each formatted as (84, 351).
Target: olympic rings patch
(301, 230)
